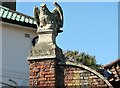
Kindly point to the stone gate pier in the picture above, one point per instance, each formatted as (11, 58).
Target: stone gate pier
(43, 61)
(48, 67)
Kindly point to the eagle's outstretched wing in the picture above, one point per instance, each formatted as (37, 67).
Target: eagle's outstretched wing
(36, 15)
(58, 13)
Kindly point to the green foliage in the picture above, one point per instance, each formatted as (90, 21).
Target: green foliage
(82, 58)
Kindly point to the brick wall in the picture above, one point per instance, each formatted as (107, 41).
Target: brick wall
(79, 77)
(42, 73)
(50, 73)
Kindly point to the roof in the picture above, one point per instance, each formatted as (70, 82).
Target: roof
(112, 63)
(14, 17)
(114, 68)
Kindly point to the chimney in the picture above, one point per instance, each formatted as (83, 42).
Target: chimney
(11, 4)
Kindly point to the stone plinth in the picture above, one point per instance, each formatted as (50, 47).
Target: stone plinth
(46, 46)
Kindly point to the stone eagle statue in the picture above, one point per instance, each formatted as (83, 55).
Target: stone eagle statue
(49, 20)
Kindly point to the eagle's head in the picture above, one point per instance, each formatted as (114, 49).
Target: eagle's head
(43, 6)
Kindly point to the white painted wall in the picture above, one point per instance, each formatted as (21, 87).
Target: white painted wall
(0, 53)
(15, 49)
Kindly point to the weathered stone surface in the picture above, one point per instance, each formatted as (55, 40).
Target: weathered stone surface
(46, 47)
(48, 26)
(48, 20)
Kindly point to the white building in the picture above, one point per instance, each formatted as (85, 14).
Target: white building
(17, 31)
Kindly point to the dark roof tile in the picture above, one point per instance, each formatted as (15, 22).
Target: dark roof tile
(114, 67)
(112, 63)
(10, 15)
